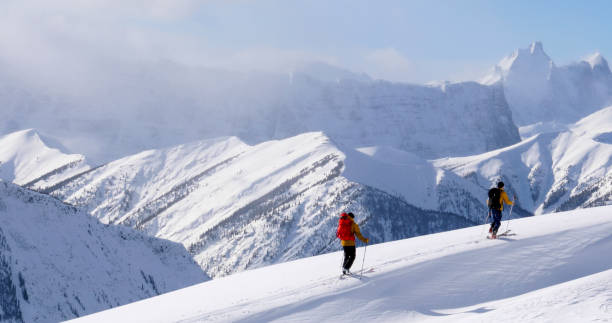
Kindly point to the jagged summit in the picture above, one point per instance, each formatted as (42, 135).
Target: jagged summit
(523, 60)
(536, 47)
(533, 55)
(597, 62)
(539, 91)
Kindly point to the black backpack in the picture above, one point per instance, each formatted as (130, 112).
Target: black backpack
(494, 196)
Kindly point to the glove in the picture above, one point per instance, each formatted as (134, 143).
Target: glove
(367, 240)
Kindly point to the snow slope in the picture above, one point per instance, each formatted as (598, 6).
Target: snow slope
(237, 206)
(550, 268)
(551, 171)
(28, 159)
(538, 91)
(58, 263)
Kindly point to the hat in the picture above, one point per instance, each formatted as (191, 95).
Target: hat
(500, 184)
(351, 215)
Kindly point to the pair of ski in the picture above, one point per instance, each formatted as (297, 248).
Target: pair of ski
(503, 234)
(358, 276)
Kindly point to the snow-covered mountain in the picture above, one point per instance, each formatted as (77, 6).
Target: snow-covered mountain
(550, 268)
(537, 90)
(156, 106)
(237, 206)
(31, 160)
(550, 172)
(58, 263)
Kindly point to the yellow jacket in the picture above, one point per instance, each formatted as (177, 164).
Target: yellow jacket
(357, 232)
(503, 197)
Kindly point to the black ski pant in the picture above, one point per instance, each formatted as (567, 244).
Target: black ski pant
(349, 256)
(497, 215)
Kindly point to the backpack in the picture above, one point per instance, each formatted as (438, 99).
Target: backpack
(494, 197)
(345, 228)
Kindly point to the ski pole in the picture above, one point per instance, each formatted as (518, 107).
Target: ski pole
(510, 215)
(484, 223)
(364, 253)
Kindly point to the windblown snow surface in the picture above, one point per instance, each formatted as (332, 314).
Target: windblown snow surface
(550, 268)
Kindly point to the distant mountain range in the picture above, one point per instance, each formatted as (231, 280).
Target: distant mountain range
(236, 206)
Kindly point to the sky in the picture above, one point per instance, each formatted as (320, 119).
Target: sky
(406, 41)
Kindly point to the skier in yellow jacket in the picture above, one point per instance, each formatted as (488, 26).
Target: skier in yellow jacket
(347, 230)
(497, 198)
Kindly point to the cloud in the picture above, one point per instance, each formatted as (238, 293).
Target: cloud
(66, 41)
(389, 64)
(147, 9)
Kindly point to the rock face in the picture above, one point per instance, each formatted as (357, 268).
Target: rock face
(447, 120)
(57, 263)
(157, 106)
(539, 91)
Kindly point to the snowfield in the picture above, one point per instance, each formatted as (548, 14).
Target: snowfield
(549, 268)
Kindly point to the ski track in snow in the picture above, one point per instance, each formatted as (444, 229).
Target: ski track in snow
(553, 269)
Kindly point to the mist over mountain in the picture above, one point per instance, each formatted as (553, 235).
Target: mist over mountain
(118, 108)
(130, 108)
